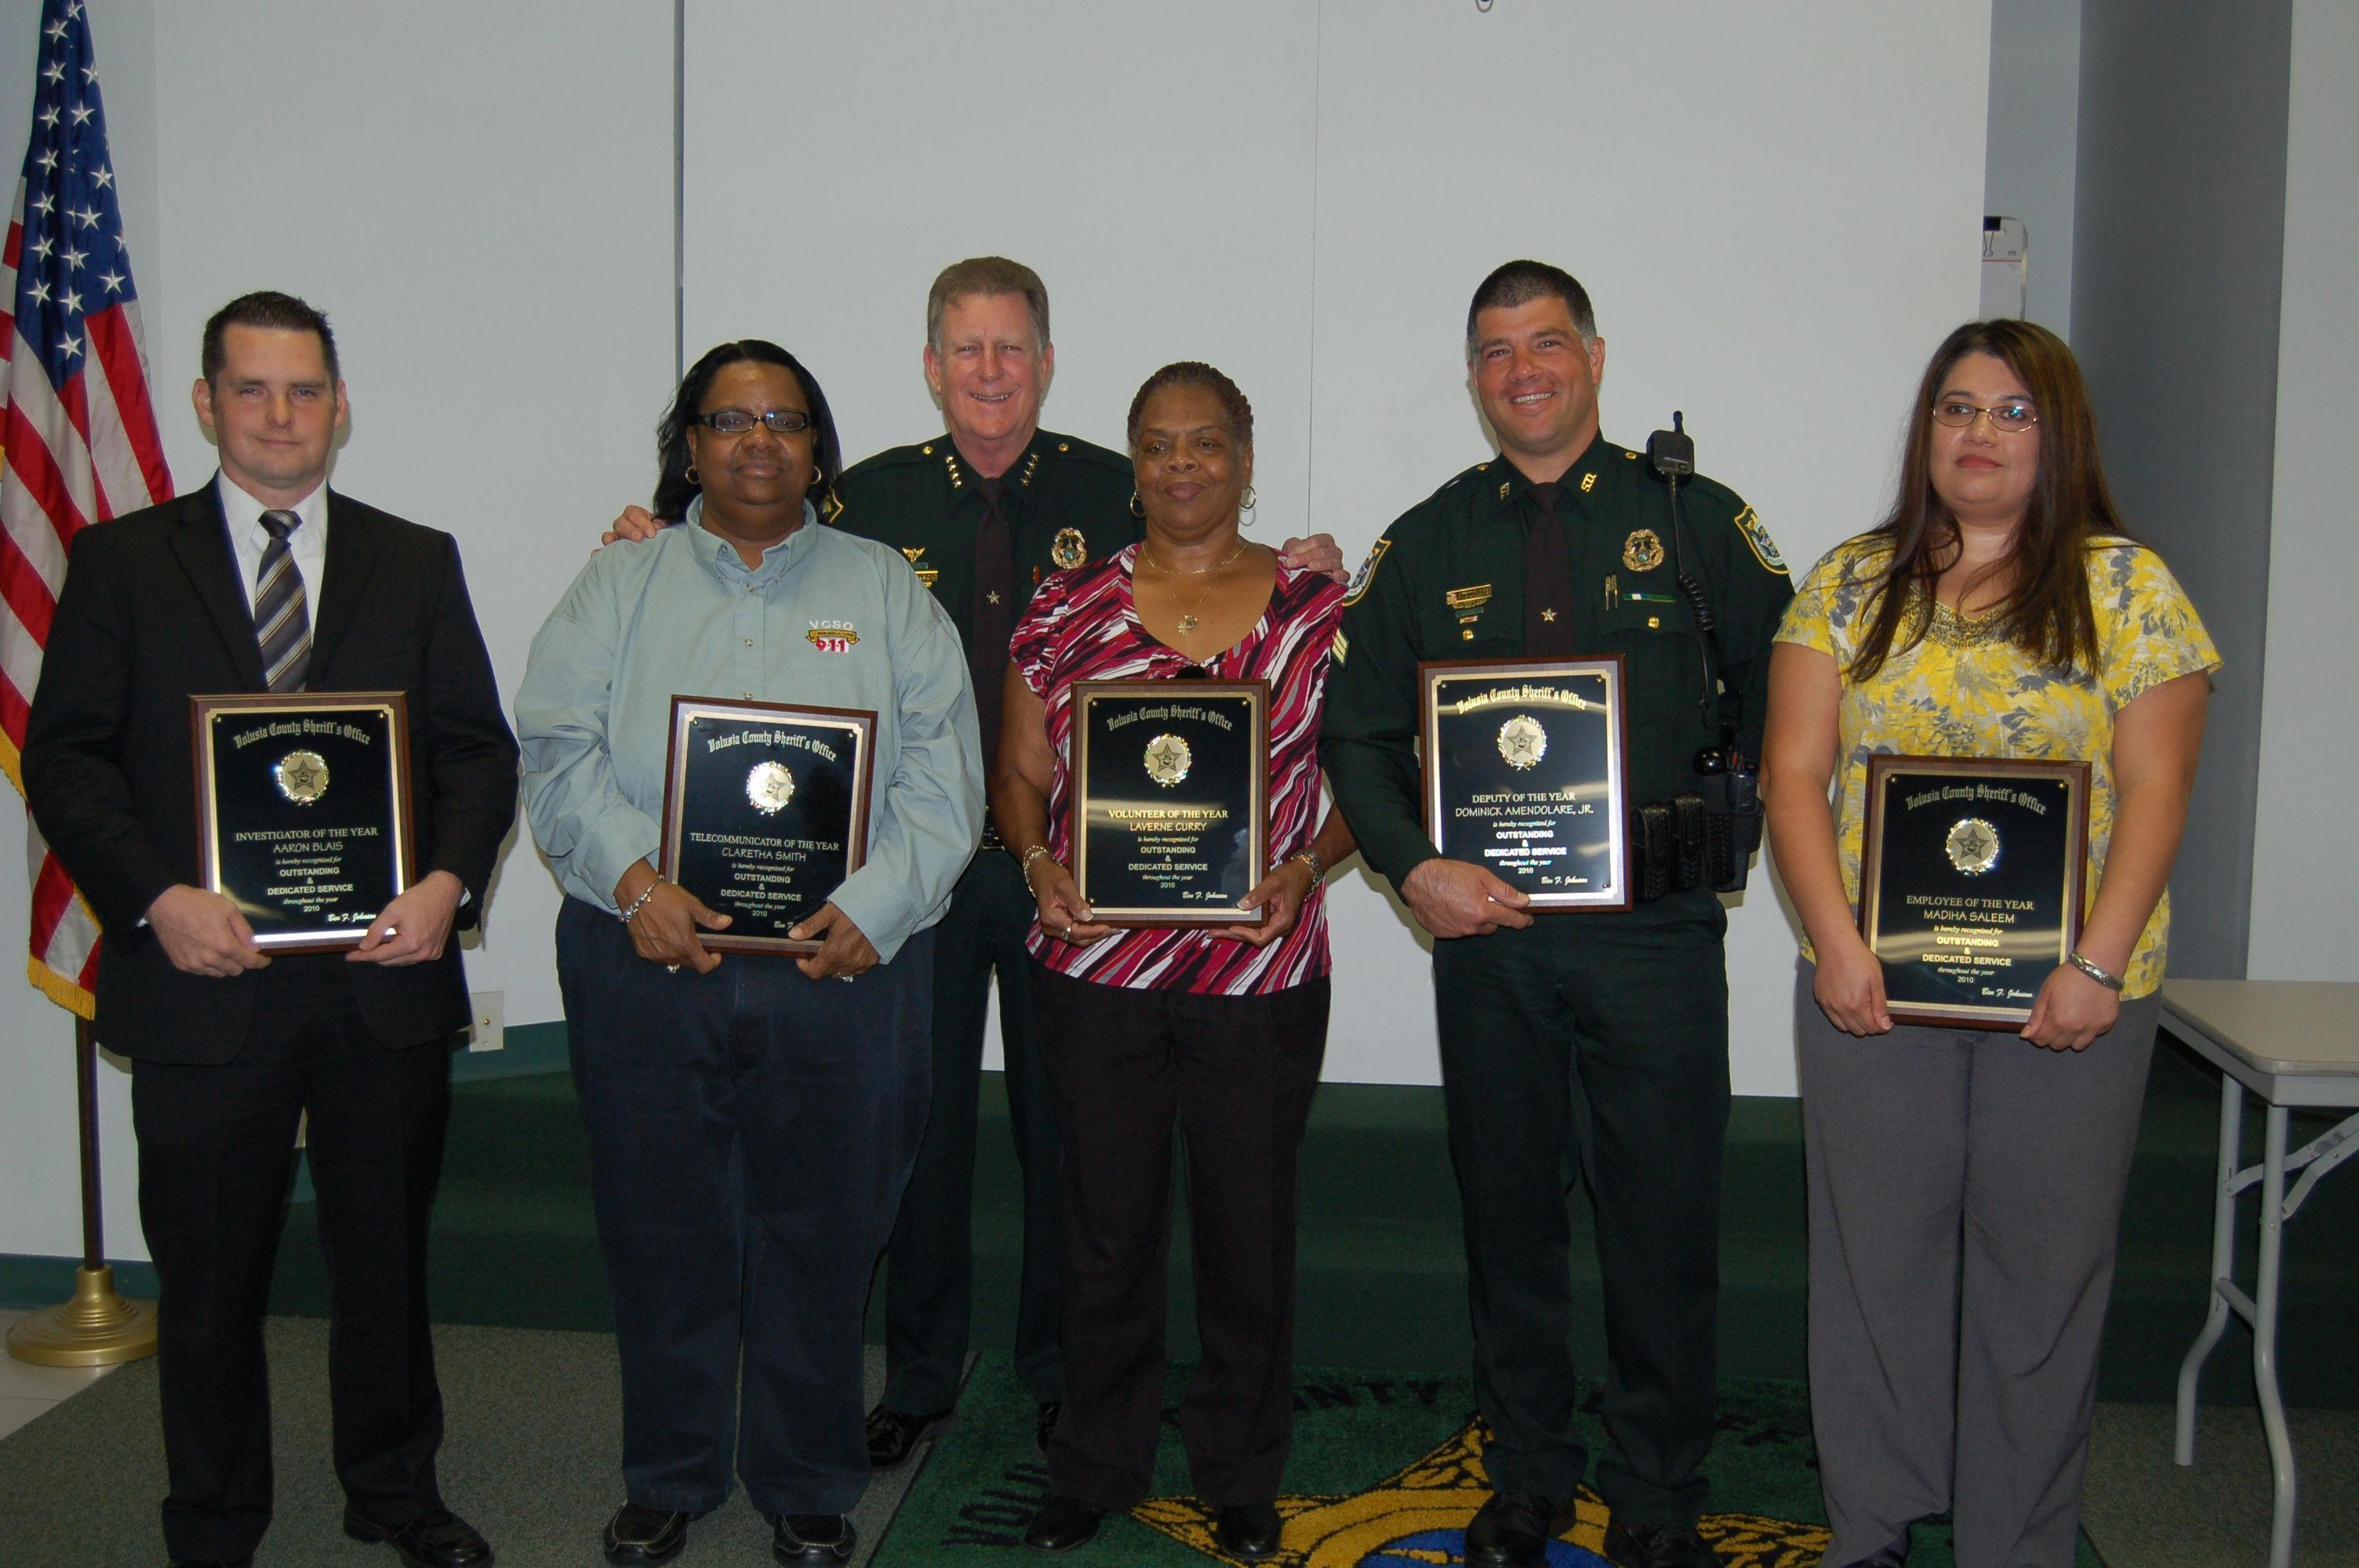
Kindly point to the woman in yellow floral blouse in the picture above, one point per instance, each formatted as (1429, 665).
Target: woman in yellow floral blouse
(1965, 1186)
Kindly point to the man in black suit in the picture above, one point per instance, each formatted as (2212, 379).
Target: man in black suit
(231, 1046)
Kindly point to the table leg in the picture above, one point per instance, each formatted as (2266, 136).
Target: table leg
(2223, 1261)
(2264, 1338)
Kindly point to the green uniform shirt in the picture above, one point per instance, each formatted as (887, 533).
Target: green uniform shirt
(1447, 582)
(1065, 500)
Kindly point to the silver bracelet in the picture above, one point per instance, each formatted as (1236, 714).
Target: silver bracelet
(2104, 977)
(641, 901)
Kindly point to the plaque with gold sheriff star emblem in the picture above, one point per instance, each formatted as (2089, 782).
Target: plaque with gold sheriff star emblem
(303, 811)
(1971, 882)
(1171, 799)
(1523, 764)
(765, 813)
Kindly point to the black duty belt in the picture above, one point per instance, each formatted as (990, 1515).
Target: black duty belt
(1696, 840)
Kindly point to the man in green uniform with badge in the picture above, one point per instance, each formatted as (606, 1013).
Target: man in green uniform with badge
(983, 512)
(1588, 1041)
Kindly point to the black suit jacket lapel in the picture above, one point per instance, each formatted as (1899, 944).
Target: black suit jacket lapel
(352, 552)
(201, 543)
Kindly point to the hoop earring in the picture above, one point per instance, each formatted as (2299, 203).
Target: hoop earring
(1246, 507)
(1137, 507)
(690, 474)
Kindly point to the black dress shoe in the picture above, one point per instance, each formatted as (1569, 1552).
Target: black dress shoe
(1513, 1530)
(1063, 1524)
(812, 1538)
(637, 1534)
(1658, 1546)
(1249, 1530)
(437, 1540)
(1044, 1421)
(893, 1437)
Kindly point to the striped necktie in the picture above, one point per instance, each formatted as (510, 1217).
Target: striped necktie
(282, 625)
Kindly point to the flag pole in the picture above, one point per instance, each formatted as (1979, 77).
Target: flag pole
(98, 1327)
(73, 377)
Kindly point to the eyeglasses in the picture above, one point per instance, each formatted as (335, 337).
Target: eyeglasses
(737, 421)
(2006, 418)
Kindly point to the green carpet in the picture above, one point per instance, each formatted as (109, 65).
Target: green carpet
(1385, 1472)
(1382, 1277)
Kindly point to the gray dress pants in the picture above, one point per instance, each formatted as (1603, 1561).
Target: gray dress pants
(1965, 1189)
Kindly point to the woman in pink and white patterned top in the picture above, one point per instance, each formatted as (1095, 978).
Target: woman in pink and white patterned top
(1217, 1032)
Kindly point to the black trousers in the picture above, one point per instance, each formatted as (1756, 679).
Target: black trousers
(929, 1267)
(1234, 1075)
(1594, 1044)
(750, 1132)
(215, 1163)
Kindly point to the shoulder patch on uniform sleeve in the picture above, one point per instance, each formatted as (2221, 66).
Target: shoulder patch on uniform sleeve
(1765, 548)
(1366, 573)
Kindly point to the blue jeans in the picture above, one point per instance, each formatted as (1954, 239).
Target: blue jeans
(750, 1134)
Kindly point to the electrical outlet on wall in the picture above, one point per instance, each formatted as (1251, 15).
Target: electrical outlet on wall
(488, 1033)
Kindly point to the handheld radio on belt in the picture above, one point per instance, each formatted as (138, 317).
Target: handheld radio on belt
(1705, 836)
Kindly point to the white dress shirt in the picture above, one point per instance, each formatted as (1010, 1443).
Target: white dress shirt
(248, 538)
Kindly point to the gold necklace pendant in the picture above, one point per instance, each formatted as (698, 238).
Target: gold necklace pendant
(1188, 622)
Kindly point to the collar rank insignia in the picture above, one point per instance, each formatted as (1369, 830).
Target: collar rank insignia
(831, 636)
(1589, 482)
(1642, 551)
(1069, 549)
(1030, 464)
(926, 574)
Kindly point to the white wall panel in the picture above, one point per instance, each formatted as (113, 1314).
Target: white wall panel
(1777, 224)
(2305, 856)
(480, 197)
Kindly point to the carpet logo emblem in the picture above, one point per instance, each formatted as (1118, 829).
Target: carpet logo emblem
(1417, 1517)
(1390, 1470)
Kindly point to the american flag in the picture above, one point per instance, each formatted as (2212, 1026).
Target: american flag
(78, 444)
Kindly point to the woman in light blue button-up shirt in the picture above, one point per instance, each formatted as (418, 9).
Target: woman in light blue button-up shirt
(752, 1122)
